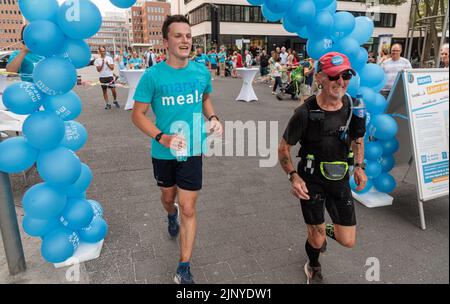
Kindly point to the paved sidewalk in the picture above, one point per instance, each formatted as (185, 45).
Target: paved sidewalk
(250, 227)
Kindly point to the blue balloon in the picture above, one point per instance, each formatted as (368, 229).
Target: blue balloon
(390, 146)
(363, 29)
(39, 228)
(77, 52)
(371, 75)
(303, 33)
(332, 7)
(322, 25)
(380, 85)
(67, 106)
(43, 130)
(385, 183)
(377, 105)
(75, 136)
(39, 9)
(43, 38)
(373, 150)
(77, 214)
(59, 167)
(318, 48)
(383, 127)
(301, 13)
(55, 76)
(22, 98)
(278, 6)
(368, 96)
(79, 20)
(373, 169)
(96, 207)
(271, 16)
(130, 3)
(59, 245)
(81, 195)
(387, 163)
(256, 2)
(95, 232)
(288, 26)
(366, 189)
(43, 202)
(353, 86)
(344, 23)
(360, 60)
(82, 183)
(348, 46)
(322, 3)
(16, 155)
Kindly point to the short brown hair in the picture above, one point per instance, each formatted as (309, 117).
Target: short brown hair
(172, 19)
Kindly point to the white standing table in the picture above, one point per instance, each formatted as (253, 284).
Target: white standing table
(247, 93)
(133, 77)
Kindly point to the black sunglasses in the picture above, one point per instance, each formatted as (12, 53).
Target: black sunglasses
(345, 76)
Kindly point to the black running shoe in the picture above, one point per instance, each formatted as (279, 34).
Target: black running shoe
(108, 106)
(174, 226)
(116, 103)
(313, 274)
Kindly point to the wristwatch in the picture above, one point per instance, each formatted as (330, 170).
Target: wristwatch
(159, 136)
(213, 116)
(291, 175)
(360, 165)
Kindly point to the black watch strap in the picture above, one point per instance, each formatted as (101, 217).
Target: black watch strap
(213, 116)
(159, 136)
(360, 165)
(291, 174)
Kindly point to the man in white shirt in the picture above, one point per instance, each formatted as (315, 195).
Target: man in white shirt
(393, 66)
(105, 66)
(248, 59)
(150, 58)
(284, 56)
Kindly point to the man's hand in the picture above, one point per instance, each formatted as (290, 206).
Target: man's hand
(215, 127)
(299, 189)
(360, 178)
(174, 142)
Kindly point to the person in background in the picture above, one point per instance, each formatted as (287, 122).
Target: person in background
(248, 59)
(222, 60)
(212, 56)
(284, 56)
(201, 58)
(277, 75)
(150, 58)
(105, 66)
(393, 66)
(264, 66)
(234, 59)
(23, 61)
(444, 56)
(239, 63)
(136, 63)
(384, 55)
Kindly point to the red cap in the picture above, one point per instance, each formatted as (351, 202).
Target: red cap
(334, 63)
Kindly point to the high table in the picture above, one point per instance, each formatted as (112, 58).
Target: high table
(133, 77)
(247, 93)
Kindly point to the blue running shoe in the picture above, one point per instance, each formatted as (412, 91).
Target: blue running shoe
(184, 276)
(174, 226)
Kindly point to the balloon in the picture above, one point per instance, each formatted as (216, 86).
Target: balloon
(383, 127)
(278, 6)
(67, 106)
(385, 183)
(22, 98)
(322, 25)
(363, 29)
(373, 150)
(322, 3)
(59, 245)
(377, 105)
(16, 155)
(332, 7)
(98, 210)
(130, 3)
(373, 169)
(75, 136)
(39, 9)
(79, 20)
(43, 130)
(303, 33)
(39, 228)
(366, 189)
(301, 13)
(344, 23)
(95, 232)
(77, 51)
(43, 202)
(288, 26)
(59, 167)
(318, 48)
(360, 60)
(371, 75)
(82, 183)
(43, 37)
(380, 85)
(387, 163)
(390, 146)
(368, 96)
(77, 214)
(55, 76)
(353, 87)
(270, 16)
(81, 195)
(348, 46)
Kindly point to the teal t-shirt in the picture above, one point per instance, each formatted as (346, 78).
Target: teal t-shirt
(136, 62)
(27, 66)
(222, 56)
(176, 98)
(213, 58)
(203, 59)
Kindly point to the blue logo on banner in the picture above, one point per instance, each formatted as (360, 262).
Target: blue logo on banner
(424, 159)
(444, 155)
(423, 80)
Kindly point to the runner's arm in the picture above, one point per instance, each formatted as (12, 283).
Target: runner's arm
(360, 175)
(16, 63)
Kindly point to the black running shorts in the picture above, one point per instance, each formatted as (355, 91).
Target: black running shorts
(186, 175)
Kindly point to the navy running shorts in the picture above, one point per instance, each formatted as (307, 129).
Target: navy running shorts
(186, 175)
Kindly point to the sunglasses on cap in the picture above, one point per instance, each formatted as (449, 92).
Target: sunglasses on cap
(347, 75)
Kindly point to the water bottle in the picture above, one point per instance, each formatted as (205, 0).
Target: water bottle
(359, 107)
(182, 154)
